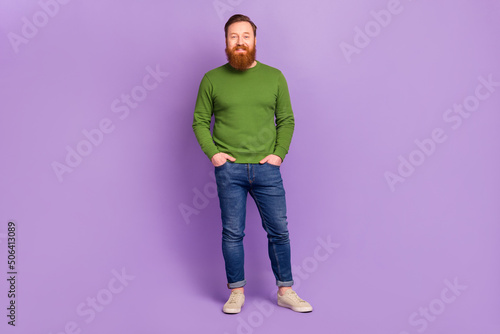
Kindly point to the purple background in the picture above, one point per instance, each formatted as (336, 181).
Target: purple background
(120, 209)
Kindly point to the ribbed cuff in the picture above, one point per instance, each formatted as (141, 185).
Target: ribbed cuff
(211, 153)
(280, 152)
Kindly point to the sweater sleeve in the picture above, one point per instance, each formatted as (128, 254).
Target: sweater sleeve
(285, 121)
(202, 118)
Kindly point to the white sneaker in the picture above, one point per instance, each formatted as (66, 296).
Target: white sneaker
(234, 303)
(291, 300)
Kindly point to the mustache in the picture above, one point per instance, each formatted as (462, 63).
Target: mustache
(242, 47)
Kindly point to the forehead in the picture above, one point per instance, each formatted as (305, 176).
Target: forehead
(240, 28)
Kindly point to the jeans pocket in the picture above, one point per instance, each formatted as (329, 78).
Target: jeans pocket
(270, 164)
(224, 164)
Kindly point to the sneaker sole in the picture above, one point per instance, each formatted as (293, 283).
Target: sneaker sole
(233, 310)
(296, 309)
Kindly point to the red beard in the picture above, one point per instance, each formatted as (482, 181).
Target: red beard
(241, 61)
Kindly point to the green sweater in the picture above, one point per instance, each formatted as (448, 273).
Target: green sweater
(252, 111)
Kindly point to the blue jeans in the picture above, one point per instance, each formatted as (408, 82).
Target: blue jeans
(264, 183)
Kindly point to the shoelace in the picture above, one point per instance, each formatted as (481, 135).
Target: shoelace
(232, 298)
(293, 295)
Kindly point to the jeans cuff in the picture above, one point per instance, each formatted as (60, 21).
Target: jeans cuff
(238, 284)
(287, 283)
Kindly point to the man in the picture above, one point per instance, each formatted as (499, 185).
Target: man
(252, 132)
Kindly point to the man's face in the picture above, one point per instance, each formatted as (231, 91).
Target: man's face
(240, 45)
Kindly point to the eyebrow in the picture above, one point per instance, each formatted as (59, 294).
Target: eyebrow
(233, 33)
